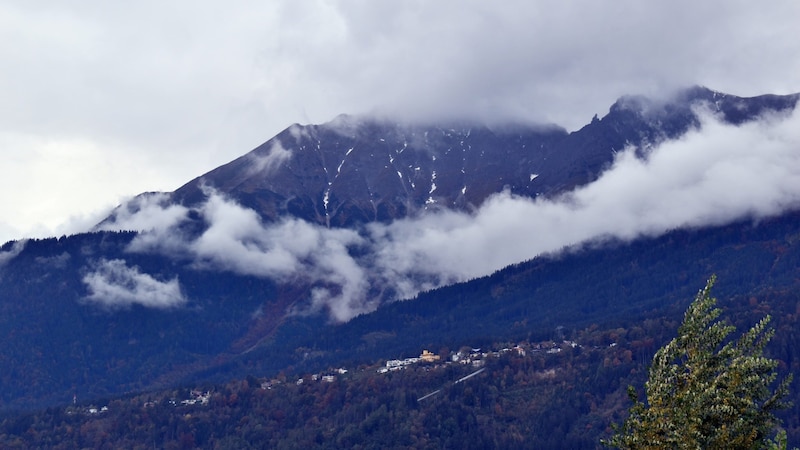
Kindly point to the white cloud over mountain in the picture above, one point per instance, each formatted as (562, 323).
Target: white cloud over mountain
(713, 175)
(8, 255)
(113, 284)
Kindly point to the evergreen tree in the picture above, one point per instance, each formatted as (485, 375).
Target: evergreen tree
(706, 391)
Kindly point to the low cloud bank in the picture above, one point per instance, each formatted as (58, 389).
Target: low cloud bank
(711, 176)
(115, 285)
(236, 240)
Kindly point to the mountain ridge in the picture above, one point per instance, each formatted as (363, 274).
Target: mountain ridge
(352, 171)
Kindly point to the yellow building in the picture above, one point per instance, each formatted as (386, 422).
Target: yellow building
(427, 356)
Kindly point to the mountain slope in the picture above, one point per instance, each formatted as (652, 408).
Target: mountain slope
(631, 295)
(256, 249)
(612, 282)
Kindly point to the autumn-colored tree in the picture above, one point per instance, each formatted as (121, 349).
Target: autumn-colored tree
(706, 391)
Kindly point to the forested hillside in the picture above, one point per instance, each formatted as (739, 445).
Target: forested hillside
(541, 394)
(603, 283)
(611, 285)
(563, 392)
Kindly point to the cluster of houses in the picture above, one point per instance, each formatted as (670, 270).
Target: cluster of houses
(95, 410)
(91, 410)
(476, 357)
(397, 364)
(326, 378)
(196, 397)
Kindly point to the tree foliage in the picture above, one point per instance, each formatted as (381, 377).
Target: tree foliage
(706, 390)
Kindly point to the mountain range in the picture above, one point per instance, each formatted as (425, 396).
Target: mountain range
(294, 256)
(353, 171)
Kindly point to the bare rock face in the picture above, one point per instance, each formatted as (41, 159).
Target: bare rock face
(352, 171)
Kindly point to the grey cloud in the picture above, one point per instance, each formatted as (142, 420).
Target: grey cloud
(558, 62)
(7, 232)
(238, 64)
(113, 284)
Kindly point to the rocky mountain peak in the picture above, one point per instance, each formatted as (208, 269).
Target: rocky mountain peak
(356, 170)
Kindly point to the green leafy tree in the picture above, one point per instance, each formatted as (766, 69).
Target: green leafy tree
(706, 391)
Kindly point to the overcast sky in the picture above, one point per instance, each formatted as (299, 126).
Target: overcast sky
(103, 100)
